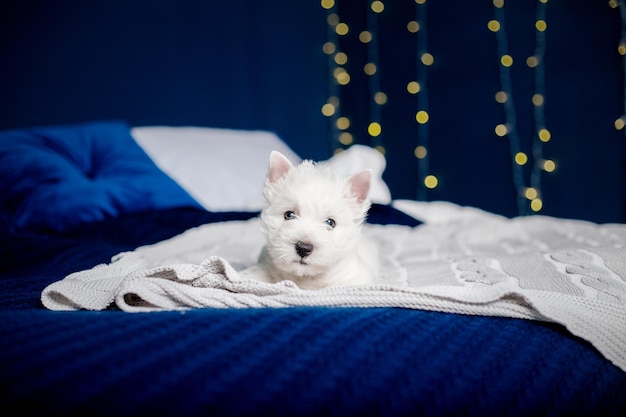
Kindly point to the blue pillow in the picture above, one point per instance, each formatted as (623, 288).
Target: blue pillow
(56, 178)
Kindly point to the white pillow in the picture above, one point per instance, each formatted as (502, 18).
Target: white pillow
(225, 169)
(358, 157)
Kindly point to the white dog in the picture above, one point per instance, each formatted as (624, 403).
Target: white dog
(312, 223)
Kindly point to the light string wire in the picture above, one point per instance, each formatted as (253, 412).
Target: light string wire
(622, 50)
(423, 166)
(542, 133)
(333, 104)
(620, 122)
(374, 80)
(509, 107)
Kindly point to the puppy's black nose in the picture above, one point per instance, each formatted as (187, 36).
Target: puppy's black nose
(304, 249)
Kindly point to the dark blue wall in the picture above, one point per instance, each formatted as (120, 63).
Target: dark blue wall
(249, 64)
(260, 65)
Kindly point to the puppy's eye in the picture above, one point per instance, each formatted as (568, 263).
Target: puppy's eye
(331, 223)
(289, 215)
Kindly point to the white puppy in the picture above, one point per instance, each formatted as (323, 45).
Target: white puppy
(312, 223)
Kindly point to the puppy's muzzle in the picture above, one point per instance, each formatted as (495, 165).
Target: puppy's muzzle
(304, 248)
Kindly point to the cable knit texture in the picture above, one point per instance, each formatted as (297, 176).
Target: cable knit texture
(540, 268)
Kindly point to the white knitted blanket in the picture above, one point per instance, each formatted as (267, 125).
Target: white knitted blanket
(461, 260)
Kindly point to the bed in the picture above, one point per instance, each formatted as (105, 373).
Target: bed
(120, 293)
(134, 141)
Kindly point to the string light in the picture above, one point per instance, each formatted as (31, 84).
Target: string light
(542, 135)
(331, 108)
(377, 6)
(505, 97)
(422, 117)
(420, 152)
(531, 193)
(521, 158)
(413, 87)
(374, 129)
(621, 49)
(328, 109)
(380, 98)
(341, 58)
(548, 165)
(346, 138)
(372, 71)
(419, 87)
(338, 68)
(431, 181)
(343, 123)
(342, 28)
(501, 130)
(370, 68)
(528, 163)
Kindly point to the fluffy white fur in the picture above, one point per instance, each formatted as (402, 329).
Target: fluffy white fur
(312, 222)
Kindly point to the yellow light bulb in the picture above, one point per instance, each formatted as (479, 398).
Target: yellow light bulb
(498, 3)
(427, 59)
(381, 149)
(328, 109)
(341, 75)
(413, 26)
(329, 48)
(549, 165)
(365, 36)
(537, 99)
(328, 4)
(369, 68)
(332, 19)
(619, 123)
(343, 123)
(532, 61)
(431, 181)
(544, 135)
(501, 97)
(342, 29)
(341, 58)
(536, 205)
(420, 152)
(493, 25)
(344, 79)
(345, 138)
(422, 117)
(501, 130)
(541, 25)
(530, 193)
(521, 158)
(374, 129)
(506, 60)
(413, 87)
(380, 98)
(377, 6)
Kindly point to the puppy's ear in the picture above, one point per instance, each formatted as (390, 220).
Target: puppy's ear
(360, 184)
(279, 166)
